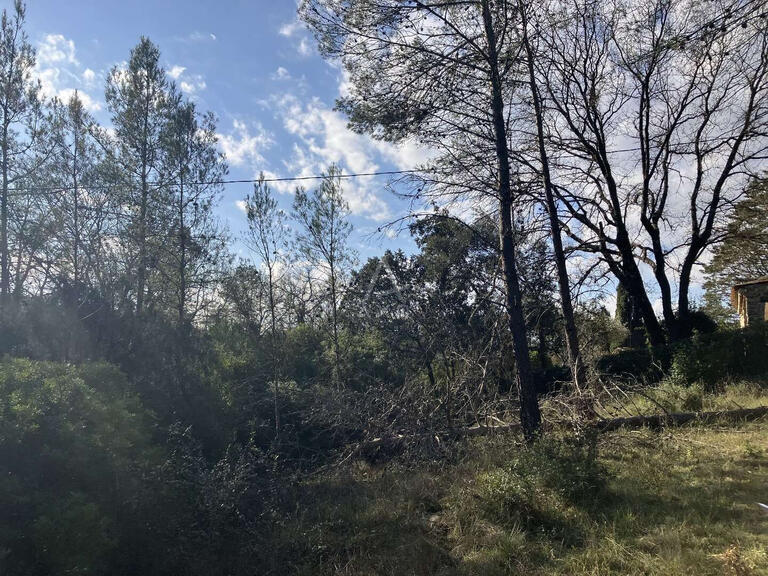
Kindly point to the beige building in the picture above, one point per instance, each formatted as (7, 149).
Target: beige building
(751, 301)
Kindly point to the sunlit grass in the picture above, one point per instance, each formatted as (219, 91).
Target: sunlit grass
(674, 502)
(671, 397)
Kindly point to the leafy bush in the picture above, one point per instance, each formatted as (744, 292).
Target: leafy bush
(644, 364)
(543, 482)
(70, 443)
(709, 359)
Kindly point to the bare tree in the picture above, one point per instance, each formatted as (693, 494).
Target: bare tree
(659, 111)
(550, 201)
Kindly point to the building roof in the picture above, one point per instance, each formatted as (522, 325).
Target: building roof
(763, 280)
(735, 290)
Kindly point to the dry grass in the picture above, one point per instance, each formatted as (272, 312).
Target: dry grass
(656, 503)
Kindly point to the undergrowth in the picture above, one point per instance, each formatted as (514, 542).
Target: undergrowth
(672, 502)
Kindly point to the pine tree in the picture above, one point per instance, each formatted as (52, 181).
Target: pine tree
(21, 119)
(83, 208)
(743, 255)
(267, 237)
(323, 240)
(196, 246)
(139, 99)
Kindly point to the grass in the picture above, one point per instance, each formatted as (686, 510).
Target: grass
(672, 397)
(674, 502)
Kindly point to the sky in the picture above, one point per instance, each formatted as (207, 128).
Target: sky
(257, 68)
(254, 65)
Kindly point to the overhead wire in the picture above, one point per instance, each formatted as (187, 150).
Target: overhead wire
(749, 10)
(26, 191)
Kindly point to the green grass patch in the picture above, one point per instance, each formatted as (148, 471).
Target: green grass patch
(675, 502)
(669, 396)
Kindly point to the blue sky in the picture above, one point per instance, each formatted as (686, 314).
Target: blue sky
(250, 62)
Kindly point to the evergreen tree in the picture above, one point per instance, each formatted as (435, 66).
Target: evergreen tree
(83, 208)
(323, 240)
(196, 246)
(267, 237)
(139, 98)
(21, 120)
(743, 255)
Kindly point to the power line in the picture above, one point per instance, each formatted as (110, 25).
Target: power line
(48, 189)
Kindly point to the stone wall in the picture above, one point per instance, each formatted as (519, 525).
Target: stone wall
(752, 304)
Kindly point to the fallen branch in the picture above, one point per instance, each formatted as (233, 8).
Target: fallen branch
(680, 418)
(652, 421)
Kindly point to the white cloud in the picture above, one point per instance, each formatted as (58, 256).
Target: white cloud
(193, 86)
(290, 29)
(242, 206)
(56, 49)
(324, 139)
(241, 147)
(59, 71)
(176, 72)
(305, 47)
(190, 84)
(197, 37)
(281, 74)
(296, 30)
(89, 103)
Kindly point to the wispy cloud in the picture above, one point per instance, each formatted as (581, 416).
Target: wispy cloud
(56, 49)
(197, 37)
(176, 72)
(323, 139)
(60, 73)
(190, 84)
(297, 31)
(290, 29)
(281, 74)
(246, 144)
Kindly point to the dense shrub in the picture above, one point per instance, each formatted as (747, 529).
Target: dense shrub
(709, 359)
(636, 364)
(70, 443)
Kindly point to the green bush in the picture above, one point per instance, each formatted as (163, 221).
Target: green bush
(644, 364)
(71, 439)
(710, 359)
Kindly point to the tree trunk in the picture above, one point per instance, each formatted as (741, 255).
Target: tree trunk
(141, 275)
(633, 282)
(571, 334)
(273, 345)
(5, 274)
(142, 268)
(76, 215)
(530, 416)
(182, 258)
(334, 320)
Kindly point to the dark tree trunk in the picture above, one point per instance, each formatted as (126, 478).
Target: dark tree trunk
(5, 274)
(571, 333)
(530, 416)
